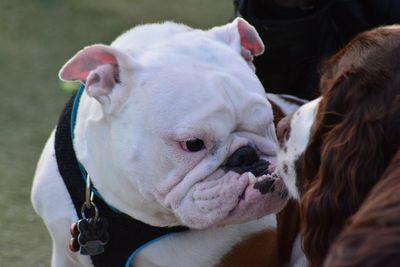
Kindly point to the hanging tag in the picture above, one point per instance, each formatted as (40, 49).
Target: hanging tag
(89, 235)
(93, 235)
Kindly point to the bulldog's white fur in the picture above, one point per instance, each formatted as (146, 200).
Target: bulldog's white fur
(153, 89)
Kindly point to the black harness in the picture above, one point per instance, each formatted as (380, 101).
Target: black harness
(126, 234)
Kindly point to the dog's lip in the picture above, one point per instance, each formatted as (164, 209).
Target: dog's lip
(228, 197)
(258, 168)
(269, 171)
(269, 174)
(272, 159)
(279, 197)
(241, 197)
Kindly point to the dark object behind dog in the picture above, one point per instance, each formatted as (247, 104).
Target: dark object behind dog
(299, 34)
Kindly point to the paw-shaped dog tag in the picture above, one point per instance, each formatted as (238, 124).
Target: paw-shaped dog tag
(93, 235)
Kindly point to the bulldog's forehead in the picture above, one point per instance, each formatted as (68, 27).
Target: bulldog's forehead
(207, 68)
(194, 47)
(203, 98)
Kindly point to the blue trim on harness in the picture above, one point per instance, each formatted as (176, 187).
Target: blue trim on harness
(74, 112)
(132, 256)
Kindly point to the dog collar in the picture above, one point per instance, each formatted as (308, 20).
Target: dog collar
(82, 169)
(126, 233)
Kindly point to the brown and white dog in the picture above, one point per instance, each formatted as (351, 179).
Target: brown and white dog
(334, 150)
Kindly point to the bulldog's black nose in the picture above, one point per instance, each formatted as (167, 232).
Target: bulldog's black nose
(244, 156)
(245, 159)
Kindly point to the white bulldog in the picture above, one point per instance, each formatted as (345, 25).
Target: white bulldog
(174, 128)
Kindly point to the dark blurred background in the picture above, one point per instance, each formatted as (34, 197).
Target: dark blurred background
(36, 38)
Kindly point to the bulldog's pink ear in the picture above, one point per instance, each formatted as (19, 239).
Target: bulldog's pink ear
(249, 38)
(98, 67)
(242, 36)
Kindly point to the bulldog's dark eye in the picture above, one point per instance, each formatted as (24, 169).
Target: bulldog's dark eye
(193, 145)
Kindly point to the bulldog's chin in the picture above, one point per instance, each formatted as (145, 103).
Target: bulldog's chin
(231, 199)
(267, 196)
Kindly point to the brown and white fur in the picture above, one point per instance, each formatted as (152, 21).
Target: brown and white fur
(334, 150)
(373, 233)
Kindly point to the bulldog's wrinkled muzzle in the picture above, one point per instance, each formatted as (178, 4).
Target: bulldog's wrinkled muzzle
(246, 159)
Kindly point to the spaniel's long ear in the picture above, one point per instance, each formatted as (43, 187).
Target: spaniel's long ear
(358, 129)
(351, 148)
(372, 234)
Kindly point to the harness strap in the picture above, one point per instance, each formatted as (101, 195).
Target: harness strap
(126, 233)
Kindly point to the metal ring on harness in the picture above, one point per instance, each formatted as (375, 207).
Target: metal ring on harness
(89, 200)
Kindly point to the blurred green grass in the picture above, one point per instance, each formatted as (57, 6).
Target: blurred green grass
(36, 38)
